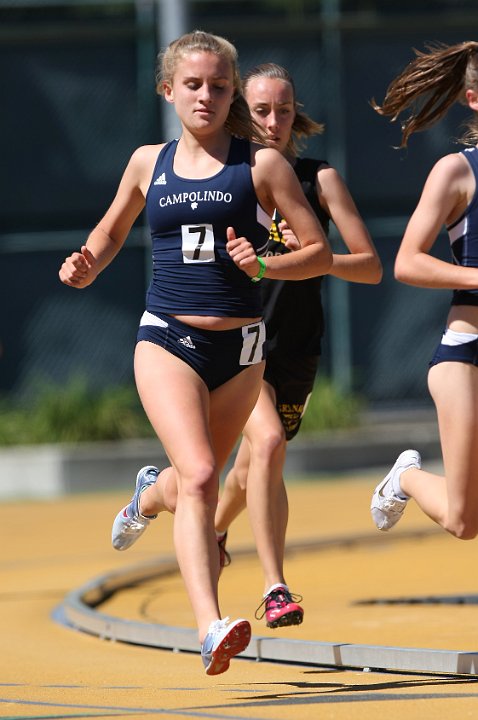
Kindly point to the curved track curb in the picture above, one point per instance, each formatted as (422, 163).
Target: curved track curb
(79, 610)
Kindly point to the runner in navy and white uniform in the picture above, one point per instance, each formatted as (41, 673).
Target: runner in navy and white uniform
(450, 197)
(189, 220)
(199, 356)
(295, 324)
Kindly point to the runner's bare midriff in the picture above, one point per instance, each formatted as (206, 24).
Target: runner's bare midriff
(215, 323)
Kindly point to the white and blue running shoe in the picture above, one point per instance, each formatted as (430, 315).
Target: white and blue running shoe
(129, 524)
(224, 641)
(388, 504)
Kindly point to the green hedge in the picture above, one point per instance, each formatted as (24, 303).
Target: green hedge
(75, 413)
(331, 409)
(78, 413)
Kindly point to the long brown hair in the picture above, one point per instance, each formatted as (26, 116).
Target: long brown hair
(239, 121)
(430, 85)
(303, 125)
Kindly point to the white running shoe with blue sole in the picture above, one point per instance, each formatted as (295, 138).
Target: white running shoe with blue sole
(386, 507)
(129, 524)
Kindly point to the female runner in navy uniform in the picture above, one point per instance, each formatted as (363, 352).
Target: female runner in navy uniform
(448, 74)
(294, 322)
(199, 356)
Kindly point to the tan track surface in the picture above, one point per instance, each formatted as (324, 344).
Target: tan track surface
(50, 671)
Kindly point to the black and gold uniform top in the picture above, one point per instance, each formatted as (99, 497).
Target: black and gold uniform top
(293, 310)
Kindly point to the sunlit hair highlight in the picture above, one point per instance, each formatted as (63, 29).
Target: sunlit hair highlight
(239, 121)
(430, 85)
(303, 125)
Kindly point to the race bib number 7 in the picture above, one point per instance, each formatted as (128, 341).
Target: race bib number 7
(253, 343)
(197, 243)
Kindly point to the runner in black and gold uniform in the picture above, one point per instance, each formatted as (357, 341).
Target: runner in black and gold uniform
(294, 337)
(294, 327)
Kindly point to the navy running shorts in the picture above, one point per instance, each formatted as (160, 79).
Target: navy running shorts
(465, 352)
(216, 355)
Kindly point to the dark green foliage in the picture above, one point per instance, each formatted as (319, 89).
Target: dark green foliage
(76, 413)
(330, 409)
(79, 413)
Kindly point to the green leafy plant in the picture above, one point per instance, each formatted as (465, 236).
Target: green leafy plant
(331, 409)
(74, 413)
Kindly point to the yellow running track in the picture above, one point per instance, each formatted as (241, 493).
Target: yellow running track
(414, 588)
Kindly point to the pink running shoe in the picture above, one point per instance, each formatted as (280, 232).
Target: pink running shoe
(280, 607)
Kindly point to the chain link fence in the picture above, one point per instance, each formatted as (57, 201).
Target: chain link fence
(79, 97)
